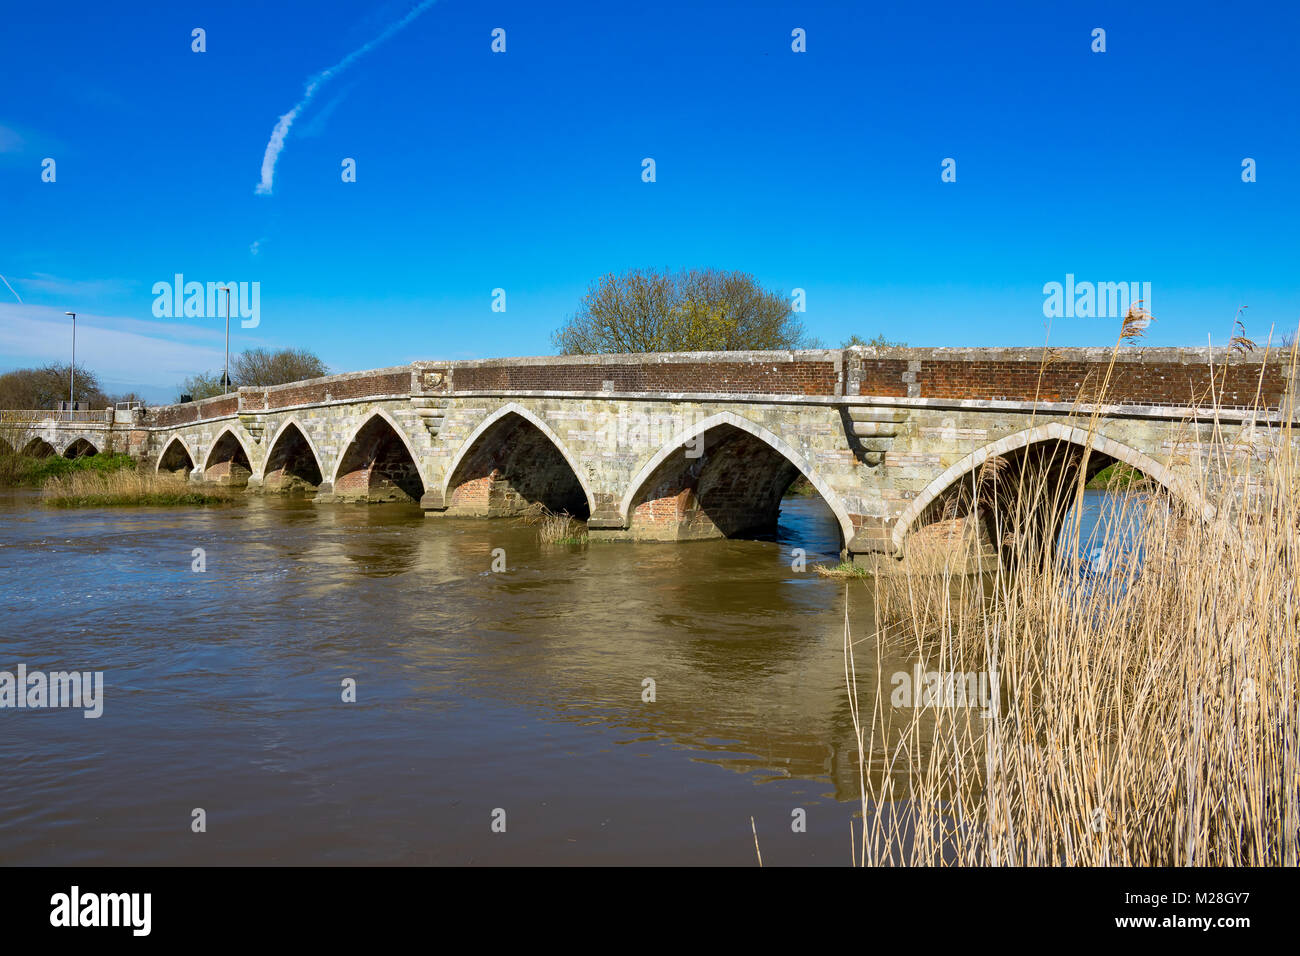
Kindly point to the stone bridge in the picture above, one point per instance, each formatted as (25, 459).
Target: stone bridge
(679, 446)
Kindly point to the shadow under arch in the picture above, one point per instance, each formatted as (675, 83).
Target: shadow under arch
(1056, 436)
(39, 448)
(228, 460)
(79, 447)
(293, 462)
(512, 461)
(378, 463)
(177, 457)
(733, 486)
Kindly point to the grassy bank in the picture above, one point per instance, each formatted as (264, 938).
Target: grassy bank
(23, 471)
(123, 488)
(801, 487)
(1144, 717)
(1117, 477)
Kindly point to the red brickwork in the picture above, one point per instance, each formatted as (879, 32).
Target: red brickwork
(735, 487)
(1134, 382)
(342, 388)
(227, 463)
(884, 377)
(1158, 377)
(194, 411)
(512, 467)
(290, 465)
(750, 377)
(473, 495)
(377, 467)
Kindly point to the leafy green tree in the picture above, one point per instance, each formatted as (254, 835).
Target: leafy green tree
(876, 342)
(696, 310)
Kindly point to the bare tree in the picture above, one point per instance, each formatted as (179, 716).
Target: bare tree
(264, 367)
(200, 386)
(646, 310)
(256, 367)
(48, 385)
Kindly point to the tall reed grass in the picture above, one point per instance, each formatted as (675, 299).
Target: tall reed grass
(1143, 685)
(95, 489)
(561, 528)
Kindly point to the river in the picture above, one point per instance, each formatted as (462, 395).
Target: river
(476, 690)
(481, 696)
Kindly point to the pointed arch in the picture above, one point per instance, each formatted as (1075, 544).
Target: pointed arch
(6, 447)
(1053, 431)
(228, 461)
(177, 455)
(275, 454)
(79, 447)
(778, 444)
(346, 456)
(235, 436)
(39, 448)
(514, 408)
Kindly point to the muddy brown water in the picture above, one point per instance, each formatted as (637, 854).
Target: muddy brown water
(476, 691)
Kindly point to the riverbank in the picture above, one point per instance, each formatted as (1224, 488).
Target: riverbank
(122, 488)
(104, 481)
(26, 471)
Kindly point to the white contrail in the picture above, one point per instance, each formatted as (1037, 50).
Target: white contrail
(11, 289)
(276, 142)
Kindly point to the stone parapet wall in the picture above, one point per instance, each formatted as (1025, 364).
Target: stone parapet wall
(1183, 377)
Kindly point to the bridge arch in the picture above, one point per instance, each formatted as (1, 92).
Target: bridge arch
(79, 447)
(6, 447)
(733, 423)
(177, 457)
(292, 459)
(489, 456)
(1050, 432)
(39, 448)
(378, 463)
(228, 462)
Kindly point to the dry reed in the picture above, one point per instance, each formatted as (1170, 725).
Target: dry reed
(1139, 713)
(130, 487)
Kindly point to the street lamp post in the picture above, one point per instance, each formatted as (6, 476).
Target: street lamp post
(72, 378)
(225, 384)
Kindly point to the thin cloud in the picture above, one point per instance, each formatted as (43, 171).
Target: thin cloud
(276, 143)
(316, 125)
(119, 349)
(48, 284)
(11, 289)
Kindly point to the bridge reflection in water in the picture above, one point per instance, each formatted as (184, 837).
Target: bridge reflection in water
(476, 689)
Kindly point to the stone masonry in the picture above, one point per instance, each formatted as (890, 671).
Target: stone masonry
(689, 445)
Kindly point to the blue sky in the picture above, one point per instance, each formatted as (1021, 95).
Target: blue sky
(522, 170)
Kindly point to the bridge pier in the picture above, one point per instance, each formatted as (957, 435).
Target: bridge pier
(871, 541)
(608, 520)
